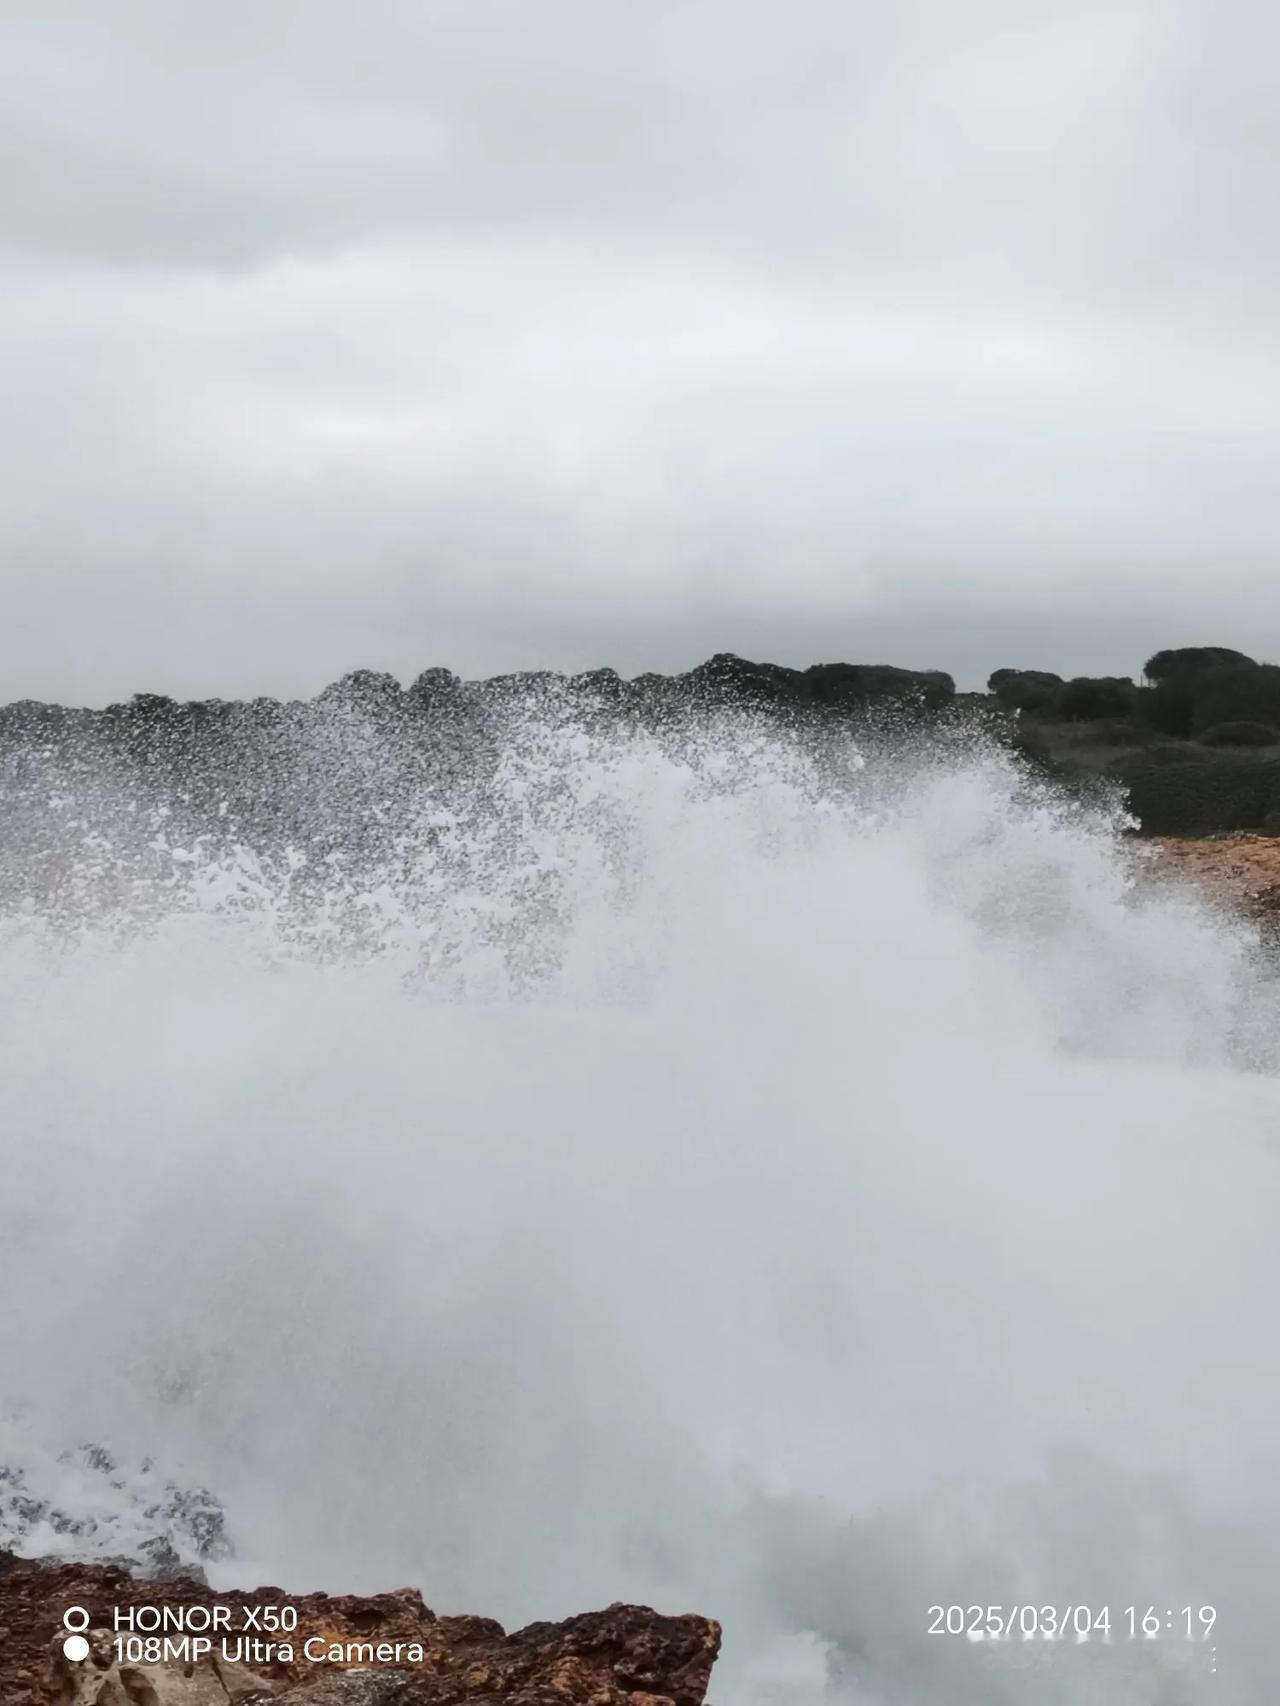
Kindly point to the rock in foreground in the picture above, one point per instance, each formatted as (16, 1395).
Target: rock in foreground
(1241, 870)
(381, 1650)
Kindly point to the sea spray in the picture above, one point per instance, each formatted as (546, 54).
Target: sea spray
(804, 1188)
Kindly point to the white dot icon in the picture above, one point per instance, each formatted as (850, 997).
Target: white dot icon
(76, 1648)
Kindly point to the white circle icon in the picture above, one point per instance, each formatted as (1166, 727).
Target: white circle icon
(75, 1617)
(76, 1648)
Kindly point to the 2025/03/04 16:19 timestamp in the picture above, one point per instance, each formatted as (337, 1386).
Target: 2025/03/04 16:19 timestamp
(1078, 1622)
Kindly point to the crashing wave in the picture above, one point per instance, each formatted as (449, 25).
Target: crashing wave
(83, 1505)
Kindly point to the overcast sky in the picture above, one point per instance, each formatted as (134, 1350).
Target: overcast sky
(506, 333)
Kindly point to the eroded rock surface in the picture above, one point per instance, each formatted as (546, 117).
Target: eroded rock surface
(379, 1650)
(1243, 868)
(1240, 871)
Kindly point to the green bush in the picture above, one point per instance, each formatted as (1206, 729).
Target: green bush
(857, 684)
(1236, 693)
(1205, 795)
(1170, 705)
(1240, 734)
(1024, 689)
(1189, 701)
(1190, 660)
(1088, 697)
(1125, 731)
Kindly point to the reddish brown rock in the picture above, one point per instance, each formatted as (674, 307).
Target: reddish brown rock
(625, 1656)
(1242, 869)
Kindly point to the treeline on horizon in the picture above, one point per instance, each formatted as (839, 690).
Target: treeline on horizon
(1194, 745)
(1207, 693)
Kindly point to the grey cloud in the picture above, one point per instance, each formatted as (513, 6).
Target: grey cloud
(490, 335)
(991, 141)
